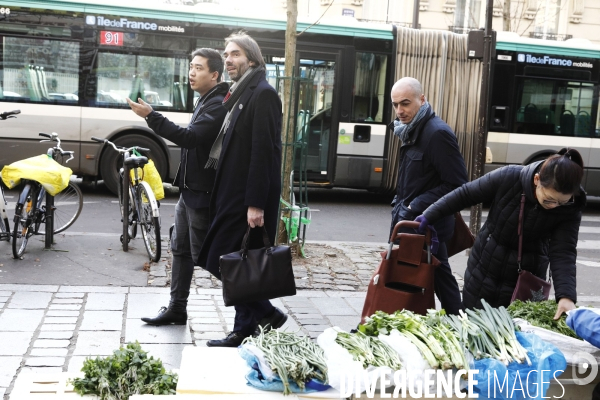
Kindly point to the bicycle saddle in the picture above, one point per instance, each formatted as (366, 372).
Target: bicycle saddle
(136, 161)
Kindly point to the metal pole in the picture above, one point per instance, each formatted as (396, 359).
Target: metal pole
(481, 138)
(415, 14)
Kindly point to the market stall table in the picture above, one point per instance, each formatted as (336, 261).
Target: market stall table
(219, 370)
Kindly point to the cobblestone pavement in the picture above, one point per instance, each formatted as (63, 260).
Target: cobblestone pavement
(333, 266)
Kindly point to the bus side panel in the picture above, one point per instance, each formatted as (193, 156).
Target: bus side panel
(593, 171)
(105, 122)
(22, 136)
(358, 172)
(360, 150)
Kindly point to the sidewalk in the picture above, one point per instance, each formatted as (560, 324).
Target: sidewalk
(53, 328)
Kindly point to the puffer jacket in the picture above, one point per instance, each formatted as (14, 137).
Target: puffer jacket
(549, 236)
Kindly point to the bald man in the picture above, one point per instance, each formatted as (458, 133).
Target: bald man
(430, 165)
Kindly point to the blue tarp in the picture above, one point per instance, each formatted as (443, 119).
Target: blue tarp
(257, 379)
(520, 381)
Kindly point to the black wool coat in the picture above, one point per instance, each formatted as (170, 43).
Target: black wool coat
(430, 166)
(248, 174)
(549, 236)
(200, 134)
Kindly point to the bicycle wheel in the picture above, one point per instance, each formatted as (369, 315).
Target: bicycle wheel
(4, 226)
(68, 205)
(133, 222)
(149, 224)
(23, 228)
(125, 205)
(132, 227)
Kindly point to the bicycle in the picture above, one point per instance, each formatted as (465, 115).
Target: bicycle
(35, 206)
(4, 226)
(141, 204)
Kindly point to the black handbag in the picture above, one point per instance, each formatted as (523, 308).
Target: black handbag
(529, 287)
(257, 274)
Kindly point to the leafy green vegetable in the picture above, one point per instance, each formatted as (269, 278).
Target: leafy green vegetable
(541, 313)
(369, 350)
(430, 334)
(127, 372)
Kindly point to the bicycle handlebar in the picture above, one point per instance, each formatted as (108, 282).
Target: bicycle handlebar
(54, 138)
(120, 149)
(9, 114)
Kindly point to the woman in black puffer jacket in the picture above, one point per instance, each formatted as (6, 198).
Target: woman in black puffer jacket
(553, 208)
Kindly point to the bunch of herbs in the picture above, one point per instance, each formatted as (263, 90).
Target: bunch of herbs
(127, 372)
(541, 314)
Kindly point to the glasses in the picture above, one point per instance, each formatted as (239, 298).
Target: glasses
(555, 202)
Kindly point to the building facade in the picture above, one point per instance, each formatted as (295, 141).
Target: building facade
(545, 19)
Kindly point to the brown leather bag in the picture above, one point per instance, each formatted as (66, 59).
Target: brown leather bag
(529, 287)
(462, 238)
(404, 278)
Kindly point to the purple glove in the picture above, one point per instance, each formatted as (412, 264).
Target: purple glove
(423, 225)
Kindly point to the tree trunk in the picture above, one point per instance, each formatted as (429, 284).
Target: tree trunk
(506, 16)
(287, 135)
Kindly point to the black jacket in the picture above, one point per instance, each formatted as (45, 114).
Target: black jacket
(248, 174)
(430, 166)
(549, 236)
(200, 134)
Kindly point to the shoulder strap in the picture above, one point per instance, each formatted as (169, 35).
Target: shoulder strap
(520, 230)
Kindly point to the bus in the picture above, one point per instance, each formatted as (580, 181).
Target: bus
(544, 96)
(70, 65)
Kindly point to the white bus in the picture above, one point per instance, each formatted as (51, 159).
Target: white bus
(545, 96)
(68, 65)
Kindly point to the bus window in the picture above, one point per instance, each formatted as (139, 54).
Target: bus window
(597, 130)
(40, 70)
(369, 87)
(160, 81)
(553, 107)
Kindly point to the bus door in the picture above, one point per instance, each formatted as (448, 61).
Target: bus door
(316, 116)
(361, 135)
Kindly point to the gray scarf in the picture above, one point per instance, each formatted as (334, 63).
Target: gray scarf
(235, 92)
(403, 130)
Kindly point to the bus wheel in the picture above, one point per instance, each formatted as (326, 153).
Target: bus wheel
(111, 162)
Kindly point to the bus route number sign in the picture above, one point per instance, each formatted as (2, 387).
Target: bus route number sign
(111, 38)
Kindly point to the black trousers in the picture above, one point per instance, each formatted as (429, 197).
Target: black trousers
(445, 285)
(247, 315)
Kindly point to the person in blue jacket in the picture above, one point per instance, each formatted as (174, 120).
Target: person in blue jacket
(586, 324)
(430, 166)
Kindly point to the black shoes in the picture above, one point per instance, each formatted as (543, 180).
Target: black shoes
(273, 321)
(234, 339)
(167, 317)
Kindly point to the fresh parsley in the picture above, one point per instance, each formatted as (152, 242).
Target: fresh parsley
(541, 314)
(127, 372)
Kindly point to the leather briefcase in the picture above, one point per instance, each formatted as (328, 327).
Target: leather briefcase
(405, 277)
(251, 275)
(462, 238)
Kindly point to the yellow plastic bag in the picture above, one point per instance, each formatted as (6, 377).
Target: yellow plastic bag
(150, 174)
(43, 169)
